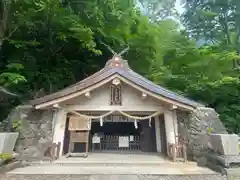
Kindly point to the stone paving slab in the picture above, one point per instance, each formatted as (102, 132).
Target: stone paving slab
(147, 158)
(164, 169)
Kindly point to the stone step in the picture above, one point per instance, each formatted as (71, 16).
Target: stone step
(101, 163)
(161, 170)
(168, 171)
(109, 164)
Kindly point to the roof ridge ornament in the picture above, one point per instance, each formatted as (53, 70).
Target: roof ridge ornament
(116, 60)
(113, 52)
(123, 51)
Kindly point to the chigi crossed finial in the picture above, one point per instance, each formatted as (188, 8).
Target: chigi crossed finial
(116, 60)
(114, 53)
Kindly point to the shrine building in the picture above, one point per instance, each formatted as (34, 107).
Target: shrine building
(115, 110)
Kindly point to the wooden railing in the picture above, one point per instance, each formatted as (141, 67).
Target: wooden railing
(111, 142)
(53, 151)
(177, 152)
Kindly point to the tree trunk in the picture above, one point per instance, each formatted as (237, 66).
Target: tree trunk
(5, 5)
(238, 30)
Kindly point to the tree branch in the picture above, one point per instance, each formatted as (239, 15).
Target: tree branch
(12, 32)
(55, 52)
(2, 89)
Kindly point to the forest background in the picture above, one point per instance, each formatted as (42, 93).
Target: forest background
(46, 45)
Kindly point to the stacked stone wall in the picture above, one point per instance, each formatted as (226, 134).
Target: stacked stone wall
(196, 126)
(35, 132)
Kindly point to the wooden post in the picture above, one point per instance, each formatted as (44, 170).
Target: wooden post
(55, 151)
(86, 149)
(70, 147)
(58, 149)
(52, 152)
(184, 152)
(174, 155)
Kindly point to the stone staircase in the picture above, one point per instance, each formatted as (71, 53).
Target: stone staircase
(89, 171)
(113, 167)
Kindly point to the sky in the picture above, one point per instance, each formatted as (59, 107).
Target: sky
(179, 6)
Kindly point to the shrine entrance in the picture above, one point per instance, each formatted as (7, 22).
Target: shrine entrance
(116, 134)
(120, 134)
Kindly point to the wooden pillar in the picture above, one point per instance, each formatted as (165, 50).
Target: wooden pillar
(171, 126)
(60, 118)
(176, 123)
(158, 137)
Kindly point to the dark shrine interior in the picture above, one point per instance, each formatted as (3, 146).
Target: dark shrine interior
(116, 128)
(110, 132)
(112, 129)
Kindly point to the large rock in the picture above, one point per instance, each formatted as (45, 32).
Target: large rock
(225, 144)
(201, 121)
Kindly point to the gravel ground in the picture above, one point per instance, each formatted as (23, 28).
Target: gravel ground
(118, 177)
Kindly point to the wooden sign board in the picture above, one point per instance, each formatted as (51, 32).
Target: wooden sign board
(78, 123)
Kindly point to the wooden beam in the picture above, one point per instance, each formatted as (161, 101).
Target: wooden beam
(73, 95)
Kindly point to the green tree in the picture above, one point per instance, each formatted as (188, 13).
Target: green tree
(214, 21)
(54, 44)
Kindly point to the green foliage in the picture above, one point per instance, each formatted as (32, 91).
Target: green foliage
(51, 44)
(210, 130)
(216, 23)
(14, 126)
(6, 156)
(10, 78)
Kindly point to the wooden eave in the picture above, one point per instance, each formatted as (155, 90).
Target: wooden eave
(125, 74)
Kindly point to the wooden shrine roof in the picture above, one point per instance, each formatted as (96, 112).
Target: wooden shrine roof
(117, 66)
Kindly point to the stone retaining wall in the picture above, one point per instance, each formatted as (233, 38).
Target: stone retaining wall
(35, 131)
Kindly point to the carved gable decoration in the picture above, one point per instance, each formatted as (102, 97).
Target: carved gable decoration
(116, 94)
